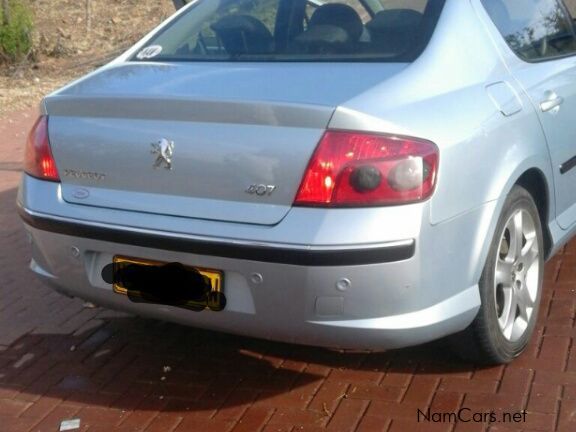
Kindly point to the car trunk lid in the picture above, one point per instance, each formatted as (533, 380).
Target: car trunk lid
(240, 138)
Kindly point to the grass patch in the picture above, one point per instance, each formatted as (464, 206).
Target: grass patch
(15, 31)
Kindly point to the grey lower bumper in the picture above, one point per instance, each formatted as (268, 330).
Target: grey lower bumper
(298, 304)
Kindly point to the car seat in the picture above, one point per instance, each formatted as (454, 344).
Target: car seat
(243, 34)
(333, 28)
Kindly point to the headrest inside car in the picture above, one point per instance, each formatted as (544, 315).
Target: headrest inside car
(395, 20)
(339, 15)
(323, 34)
(243, 34)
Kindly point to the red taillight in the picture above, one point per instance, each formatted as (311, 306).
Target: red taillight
(358, 169)
(39, 161)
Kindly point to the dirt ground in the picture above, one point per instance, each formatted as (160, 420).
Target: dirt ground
(71, 39)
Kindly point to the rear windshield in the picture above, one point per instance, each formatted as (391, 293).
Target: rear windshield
(297, 30)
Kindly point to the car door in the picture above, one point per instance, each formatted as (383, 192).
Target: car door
(541, 34)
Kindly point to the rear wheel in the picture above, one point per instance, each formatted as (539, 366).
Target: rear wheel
(510, 286)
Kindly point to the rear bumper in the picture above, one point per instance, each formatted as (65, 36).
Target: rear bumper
(297, 304)
(386, 293)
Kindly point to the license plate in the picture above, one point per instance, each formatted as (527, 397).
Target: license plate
(174, 284)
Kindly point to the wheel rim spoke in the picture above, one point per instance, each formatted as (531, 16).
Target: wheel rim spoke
(506, 320)
(503, 272)
(530, 253)
(525, 303)
(517, 234)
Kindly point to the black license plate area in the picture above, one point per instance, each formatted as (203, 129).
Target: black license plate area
(173, 284)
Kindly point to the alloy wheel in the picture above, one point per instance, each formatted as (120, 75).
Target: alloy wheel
(517, 272)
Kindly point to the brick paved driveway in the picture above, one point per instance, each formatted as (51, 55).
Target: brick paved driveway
(61, 360)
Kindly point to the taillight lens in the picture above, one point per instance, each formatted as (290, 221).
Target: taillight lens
(39, 161)
(359, 169)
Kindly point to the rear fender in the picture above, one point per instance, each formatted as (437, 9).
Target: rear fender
(487, 228)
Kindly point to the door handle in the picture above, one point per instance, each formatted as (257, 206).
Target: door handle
(552, 102)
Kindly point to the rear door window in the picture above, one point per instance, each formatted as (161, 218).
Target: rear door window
(536, 30)
(297, 30)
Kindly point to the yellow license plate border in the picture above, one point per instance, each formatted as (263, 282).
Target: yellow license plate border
(212, 274)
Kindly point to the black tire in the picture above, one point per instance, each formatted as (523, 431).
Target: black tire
(488, 340)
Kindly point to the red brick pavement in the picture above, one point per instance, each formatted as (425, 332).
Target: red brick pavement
(60, 360)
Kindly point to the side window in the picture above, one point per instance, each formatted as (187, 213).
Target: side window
(535, 29)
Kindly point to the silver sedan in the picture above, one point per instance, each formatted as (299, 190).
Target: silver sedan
(358, 174)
